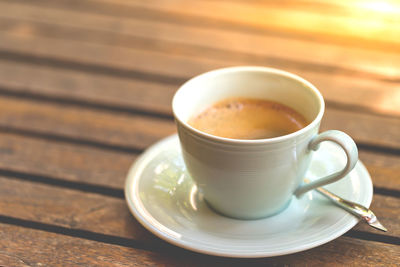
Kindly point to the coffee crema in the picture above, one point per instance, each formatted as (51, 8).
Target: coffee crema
(248, 118)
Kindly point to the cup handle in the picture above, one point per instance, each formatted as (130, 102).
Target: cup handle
(349, 148)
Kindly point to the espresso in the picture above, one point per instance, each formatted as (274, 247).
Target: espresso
(247, 118)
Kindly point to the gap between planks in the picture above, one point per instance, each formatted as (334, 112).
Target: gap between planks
(110, 191)
(132, 243)
(81, 210)
(44, 246)
(126, 74)
(136, 150)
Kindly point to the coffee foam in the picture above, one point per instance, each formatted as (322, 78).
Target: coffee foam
(248, 118)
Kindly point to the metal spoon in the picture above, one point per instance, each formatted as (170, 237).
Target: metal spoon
(354, 208)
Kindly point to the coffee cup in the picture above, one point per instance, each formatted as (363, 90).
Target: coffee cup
(254, 178)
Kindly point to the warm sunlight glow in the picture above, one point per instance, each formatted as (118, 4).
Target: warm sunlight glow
(372, 6)
(373, 18)
(391, 100)
(379, 6)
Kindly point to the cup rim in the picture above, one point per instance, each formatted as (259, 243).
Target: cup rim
(277, 139)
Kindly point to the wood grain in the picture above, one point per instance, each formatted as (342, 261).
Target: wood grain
(353, 28)
(333, 8)
(34, 247)
(101, 90)
(79, 162)
(135, 32)
(72, 209)
(85, 86)
(364, 128)
(159, 66)
(381, 167)
(64, 160)
(82, 210)
(67, 250)
(140, 131)
(131, 130)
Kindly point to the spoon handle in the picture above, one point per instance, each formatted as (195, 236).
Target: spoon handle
(354, 208)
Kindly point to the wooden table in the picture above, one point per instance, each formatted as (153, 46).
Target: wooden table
(86, 86)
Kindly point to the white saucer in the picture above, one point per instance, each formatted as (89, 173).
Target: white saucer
(163, 198)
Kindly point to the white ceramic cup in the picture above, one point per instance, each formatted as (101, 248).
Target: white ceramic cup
(250, 179)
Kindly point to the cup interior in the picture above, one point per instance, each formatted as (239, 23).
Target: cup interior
(204, 90)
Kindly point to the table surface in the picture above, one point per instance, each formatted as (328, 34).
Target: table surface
(86, 86)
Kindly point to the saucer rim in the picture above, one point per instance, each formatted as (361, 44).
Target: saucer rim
(138, 210)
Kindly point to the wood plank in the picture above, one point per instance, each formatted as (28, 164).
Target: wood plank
(34, 247)
(364, 128)
(381, 167)
(83, 211)
(33, 153)
(103, 167)
(140, 131)
(356, 27)
(107, 91)
(71, 209)
(336, 86)
(120, 130)
(79, 86)
(131, 130)
(339, 8)
(132, 32)
(64, 160)
(29, 247)
(319, 6)
(361, 25)
(82, 87)
(355, 24)
(128, 131)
